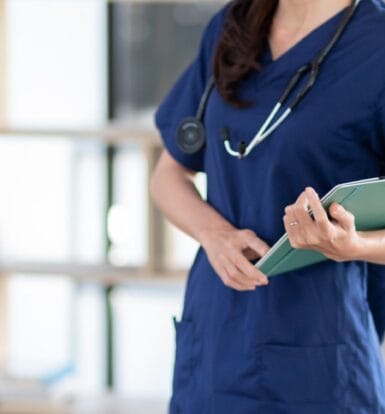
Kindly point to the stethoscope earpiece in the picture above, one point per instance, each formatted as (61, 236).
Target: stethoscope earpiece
(191, 135)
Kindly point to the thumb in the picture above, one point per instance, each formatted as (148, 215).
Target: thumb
(258, 245)
(345, 218)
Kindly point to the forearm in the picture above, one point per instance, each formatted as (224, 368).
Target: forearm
(371, 246)
(177, 197)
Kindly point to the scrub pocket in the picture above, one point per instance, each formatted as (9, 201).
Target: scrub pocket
(186, 357)
(303, 374)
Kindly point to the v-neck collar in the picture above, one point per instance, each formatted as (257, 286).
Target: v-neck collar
(307, 47)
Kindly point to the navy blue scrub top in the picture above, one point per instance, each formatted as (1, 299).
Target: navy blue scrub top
(306, 343)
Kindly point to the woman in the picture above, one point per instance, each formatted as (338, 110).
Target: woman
(303, 342)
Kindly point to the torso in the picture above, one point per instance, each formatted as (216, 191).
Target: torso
(305, 343)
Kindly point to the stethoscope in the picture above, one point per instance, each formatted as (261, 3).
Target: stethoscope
(191, 131)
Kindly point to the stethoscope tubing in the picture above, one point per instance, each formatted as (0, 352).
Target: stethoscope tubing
(313, 67)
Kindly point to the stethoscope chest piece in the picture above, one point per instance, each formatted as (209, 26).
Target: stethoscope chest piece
(191, 135)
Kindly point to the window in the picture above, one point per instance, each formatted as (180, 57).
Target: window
(77, 233)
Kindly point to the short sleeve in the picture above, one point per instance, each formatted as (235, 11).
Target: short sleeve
(182, 100)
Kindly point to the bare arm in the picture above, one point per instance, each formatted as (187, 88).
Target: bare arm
(173, 191)
(372, 246)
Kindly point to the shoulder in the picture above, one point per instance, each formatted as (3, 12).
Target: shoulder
(375, 19)
(378, 6)
(219, 16)
(216, 22)
(375, 35)
(367, 32)
(211, 35)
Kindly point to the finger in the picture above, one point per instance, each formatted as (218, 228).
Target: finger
(301, 212)
(248, 270)
(318, 210)
(235, 278)
(293, 231)
(290, 217)
(234, 284)
(345, 218)
(255, 243)
(289, 211)
(292, 235)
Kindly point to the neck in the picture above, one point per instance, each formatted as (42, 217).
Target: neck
(299, 15)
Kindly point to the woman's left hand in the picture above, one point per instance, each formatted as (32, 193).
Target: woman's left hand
(337, 239)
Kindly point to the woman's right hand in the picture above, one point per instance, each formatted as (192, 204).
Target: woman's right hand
(229, 251)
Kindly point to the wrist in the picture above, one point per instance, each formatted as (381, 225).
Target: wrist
(359, 249)
(204, 235)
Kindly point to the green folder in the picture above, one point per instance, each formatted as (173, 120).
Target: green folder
(365, 199)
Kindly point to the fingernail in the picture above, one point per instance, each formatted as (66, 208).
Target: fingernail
(312, 190)
(338, 208)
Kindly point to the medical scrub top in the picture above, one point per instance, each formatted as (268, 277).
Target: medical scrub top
(305, 343)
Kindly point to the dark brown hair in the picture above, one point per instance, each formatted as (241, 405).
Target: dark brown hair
(240, 45)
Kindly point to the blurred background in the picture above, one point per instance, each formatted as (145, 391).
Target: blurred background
(90, 272)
